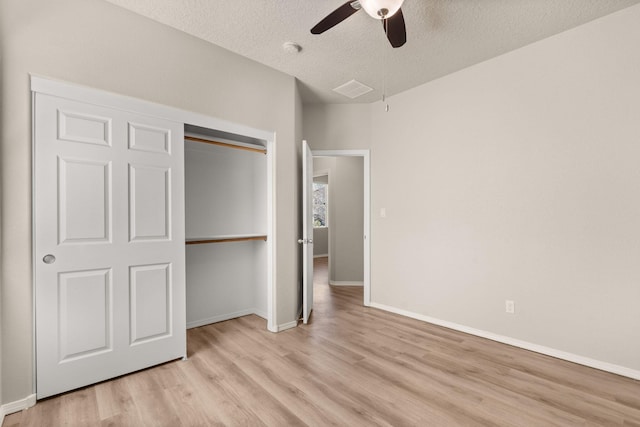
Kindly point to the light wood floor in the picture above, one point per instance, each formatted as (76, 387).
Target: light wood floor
(352, 366)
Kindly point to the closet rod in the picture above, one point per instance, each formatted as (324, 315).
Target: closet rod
(225, 144)
(229, 239)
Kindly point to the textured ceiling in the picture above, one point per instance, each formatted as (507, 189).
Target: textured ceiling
(443, 36)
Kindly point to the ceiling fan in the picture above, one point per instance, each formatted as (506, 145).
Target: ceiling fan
(386, 10)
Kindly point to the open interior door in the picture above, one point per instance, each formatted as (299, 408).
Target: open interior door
(307, 232)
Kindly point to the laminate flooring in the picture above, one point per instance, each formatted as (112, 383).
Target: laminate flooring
(351, 366)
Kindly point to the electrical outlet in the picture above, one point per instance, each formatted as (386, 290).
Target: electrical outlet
(510, 307)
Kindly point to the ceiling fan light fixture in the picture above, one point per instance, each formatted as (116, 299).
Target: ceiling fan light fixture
(381, 9)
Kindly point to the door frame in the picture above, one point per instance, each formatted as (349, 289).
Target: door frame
(365, 154)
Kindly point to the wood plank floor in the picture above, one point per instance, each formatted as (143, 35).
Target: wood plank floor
(351, 366)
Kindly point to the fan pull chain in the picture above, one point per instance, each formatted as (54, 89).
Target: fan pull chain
(385, 61)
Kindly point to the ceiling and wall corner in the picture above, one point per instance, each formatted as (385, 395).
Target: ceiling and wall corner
(443, 36)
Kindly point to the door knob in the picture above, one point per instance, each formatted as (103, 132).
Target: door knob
(49, 259)
(300, 241)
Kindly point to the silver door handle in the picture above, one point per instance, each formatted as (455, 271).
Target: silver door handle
(303, 241)
(49, 259)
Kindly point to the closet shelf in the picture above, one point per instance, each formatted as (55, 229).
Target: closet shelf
(221, 239)
(225, 144)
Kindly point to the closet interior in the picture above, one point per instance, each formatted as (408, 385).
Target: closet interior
(226, 224)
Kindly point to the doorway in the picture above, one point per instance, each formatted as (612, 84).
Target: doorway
(365, 235)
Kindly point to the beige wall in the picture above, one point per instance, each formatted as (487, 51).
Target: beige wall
(346, 223)
(97, 44)
(342, 127)
(337, 126)
(347, 220)
(518, 179)
(320, 242)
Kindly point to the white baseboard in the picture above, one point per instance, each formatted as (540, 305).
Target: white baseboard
(345, 283)
(321, 256)
(559, 354)
(260, 313)
(286, 326)
(18, 405)
(220, 318)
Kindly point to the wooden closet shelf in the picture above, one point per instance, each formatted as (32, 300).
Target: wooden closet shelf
(222, 239)
(225, 144)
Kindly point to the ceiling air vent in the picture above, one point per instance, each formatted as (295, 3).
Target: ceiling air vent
(352, 89)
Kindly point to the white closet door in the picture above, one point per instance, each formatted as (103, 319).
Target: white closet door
(109, 243)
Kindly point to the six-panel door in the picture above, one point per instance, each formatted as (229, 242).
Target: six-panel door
(109, 243)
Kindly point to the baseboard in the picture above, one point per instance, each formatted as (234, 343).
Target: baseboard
(220, 318)
(559, 354)
(286, 326)
(345, 283)
(321, 256)
(260, 313)
(18, 405)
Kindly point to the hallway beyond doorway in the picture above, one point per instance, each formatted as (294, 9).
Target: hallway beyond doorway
(329, 299)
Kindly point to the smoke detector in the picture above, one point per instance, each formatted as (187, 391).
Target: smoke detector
(291, 47)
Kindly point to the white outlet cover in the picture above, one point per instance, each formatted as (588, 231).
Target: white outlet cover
(510, 306)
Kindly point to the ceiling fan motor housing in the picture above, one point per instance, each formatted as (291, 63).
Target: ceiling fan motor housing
(381, 9)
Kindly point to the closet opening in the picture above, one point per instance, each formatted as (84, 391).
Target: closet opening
(227, 226)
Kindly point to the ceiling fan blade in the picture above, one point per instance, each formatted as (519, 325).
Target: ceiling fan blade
(335, 17)
(395, 29)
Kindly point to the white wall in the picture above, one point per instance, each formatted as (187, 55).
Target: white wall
(518, 179)
(97, 44)
(225, 194)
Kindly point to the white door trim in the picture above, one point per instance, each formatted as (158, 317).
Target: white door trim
(365, 154)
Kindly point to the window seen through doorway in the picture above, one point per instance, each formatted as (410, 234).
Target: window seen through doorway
(320, 199)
